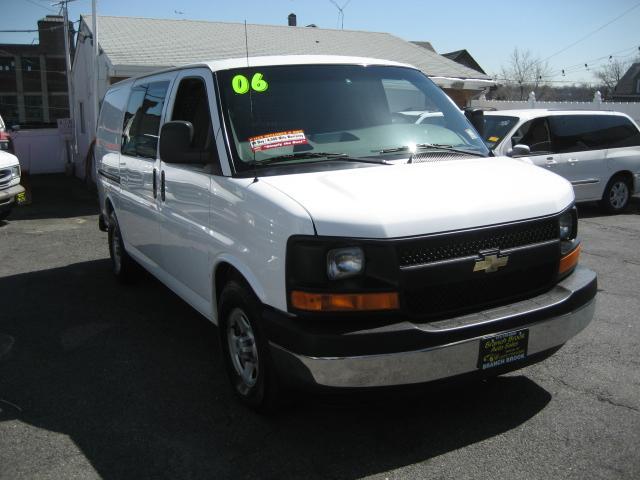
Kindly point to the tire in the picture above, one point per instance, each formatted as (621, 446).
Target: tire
(122, 265)
(616, 195)
(245, 349)
(4, 215)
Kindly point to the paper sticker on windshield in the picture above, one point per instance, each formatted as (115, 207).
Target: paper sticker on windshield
(493, 139)
(471, 133)
(277, 140)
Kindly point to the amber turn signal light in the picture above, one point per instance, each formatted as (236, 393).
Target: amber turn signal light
(344, 302)
(569, 261)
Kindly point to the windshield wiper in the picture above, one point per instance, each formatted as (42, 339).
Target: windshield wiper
(319, 155)
(429, 146)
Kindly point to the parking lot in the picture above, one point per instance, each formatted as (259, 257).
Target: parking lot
(98, 380)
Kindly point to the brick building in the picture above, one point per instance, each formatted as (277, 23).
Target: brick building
(33, 84)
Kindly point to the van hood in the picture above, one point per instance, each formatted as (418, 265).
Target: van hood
(401, 200)
(8, 160)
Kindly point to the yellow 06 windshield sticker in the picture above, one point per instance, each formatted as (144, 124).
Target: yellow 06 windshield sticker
(241, 85)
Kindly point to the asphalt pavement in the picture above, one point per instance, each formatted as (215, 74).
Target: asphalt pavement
(98, 380)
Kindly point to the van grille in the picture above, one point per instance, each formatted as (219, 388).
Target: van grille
(433, 157)
(435, 289)
(470, 295)
(464, 244)
(5, 177)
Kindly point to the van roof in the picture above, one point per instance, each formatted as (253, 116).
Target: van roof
(263, 61)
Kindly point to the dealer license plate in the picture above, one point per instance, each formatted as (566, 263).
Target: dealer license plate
(502, 349)
(21, 198)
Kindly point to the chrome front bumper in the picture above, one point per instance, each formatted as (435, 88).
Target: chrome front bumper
(8, 195)
(456, 358)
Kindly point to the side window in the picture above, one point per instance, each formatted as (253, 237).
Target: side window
(192, 105)
(577, 133)
(536, 135)
(110, 117)
(141, 125)
(620, 132)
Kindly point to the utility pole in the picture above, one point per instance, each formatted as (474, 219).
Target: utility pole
(70, 96)
(96, 53)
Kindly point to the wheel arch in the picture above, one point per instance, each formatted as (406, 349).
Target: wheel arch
(228, 268)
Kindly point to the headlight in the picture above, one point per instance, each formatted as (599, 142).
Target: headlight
(15, 171)
(569, 224)
(345, 262)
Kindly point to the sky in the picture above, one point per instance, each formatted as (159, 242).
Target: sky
(569, 33)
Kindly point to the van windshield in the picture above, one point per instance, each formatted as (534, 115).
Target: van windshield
(298, 113)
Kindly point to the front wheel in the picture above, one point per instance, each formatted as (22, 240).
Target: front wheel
(245, 348)
(616, 195)
(122, 264)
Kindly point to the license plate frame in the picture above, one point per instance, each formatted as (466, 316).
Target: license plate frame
(503, 349)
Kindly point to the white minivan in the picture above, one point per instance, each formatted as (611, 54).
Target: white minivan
(597, 151)
(334, 243)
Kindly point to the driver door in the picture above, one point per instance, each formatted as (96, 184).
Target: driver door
(536, 134)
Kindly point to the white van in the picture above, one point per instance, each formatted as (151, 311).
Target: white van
(333, 242)
(11, 192)
(597, 151)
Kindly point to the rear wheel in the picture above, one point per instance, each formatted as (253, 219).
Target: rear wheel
(122, 264)
(616, 195)
(245, 348)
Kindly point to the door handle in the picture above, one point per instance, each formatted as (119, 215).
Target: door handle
(155, 183)
(162, 186)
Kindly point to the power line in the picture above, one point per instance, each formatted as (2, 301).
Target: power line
(40, 5)
(591, 33)
(36, 30)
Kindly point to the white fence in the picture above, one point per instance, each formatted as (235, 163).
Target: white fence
(40, 150)
(631, 109)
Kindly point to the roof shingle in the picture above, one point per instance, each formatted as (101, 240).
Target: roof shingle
(166, 43)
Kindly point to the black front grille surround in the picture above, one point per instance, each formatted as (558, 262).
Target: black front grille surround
(438, 277)
(434, 274)
(469, 242)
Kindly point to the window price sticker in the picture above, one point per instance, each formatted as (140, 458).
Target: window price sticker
(277, 140)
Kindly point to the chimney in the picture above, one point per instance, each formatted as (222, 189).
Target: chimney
(292, 20)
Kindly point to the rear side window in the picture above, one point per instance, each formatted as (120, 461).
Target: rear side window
(620, 132)
(140, 128)
(576, 133)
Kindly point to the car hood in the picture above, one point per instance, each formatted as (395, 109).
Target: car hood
(401, 200)
(8, 160)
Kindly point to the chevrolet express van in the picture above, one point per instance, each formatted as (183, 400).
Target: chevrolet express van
(333, 241)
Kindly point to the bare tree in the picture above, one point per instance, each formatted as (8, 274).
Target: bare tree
(524, 73)
(611, 73)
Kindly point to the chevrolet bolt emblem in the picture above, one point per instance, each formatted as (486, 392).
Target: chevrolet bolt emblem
(490, 263)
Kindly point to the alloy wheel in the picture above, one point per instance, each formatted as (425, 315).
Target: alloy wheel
(243, 349)
(619, 195)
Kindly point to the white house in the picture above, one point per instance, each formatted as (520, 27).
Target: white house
(132, 46)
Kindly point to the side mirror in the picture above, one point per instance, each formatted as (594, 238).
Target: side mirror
(476, 118)
(520, 150)
(175, 143)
